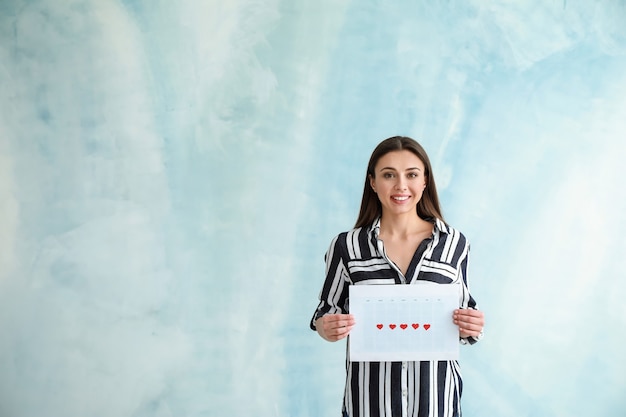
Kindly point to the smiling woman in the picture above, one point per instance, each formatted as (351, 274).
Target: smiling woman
(399, 238)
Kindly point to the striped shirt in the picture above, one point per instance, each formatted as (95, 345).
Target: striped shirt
(397, 389)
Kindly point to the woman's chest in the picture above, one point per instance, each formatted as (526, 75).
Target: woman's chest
(403, 253)
(390, 264)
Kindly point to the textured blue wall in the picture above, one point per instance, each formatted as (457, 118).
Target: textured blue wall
(171, 174)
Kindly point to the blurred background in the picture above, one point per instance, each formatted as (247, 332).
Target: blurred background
(171, 174)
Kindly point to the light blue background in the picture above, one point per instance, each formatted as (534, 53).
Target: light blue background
(171, 174)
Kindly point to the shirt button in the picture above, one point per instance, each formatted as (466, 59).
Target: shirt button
(404, 393)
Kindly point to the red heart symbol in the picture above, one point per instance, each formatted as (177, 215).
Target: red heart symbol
(380, 326)
(392, 326)
(415, 325)
(403, 326)
(426, 326)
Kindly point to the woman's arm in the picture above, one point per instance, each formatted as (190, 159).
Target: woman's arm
(470, 320)
(331, 319)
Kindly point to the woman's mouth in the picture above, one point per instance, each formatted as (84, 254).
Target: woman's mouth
(400, 197)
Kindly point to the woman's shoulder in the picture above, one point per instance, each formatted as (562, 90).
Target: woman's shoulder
(357, 231)
(352, 236)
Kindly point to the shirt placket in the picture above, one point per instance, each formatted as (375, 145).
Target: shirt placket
(381, 248)
(405, 389)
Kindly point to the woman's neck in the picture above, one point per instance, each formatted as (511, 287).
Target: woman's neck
(403, 225)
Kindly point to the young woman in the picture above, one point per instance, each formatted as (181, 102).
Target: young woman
(399, 238)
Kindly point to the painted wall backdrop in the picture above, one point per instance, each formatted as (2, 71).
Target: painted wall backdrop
(171, 174)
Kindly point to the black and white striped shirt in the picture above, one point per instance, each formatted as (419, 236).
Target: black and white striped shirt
(397, 389)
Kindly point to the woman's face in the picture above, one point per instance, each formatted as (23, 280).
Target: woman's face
(399, 181)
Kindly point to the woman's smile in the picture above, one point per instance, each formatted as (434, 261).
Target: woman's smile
(400, 198)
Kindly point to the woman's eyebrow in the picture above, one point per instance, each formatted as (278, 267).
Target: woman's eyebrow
(393, 169)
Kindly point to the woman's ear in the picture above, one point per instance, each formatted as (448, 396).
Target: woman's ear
(372, 183)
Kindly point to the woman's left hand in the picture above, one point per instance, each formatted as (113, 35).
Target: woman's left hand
(470, 321)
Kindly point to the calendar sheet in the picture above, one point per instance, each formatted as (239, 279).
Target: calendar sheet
(404, 322)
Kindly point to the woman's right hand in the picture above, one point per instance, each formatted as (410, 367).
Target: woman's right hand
(333, 327)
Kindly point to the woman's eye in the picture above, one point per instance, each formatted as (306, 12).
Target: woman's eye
(412, 175)
(387, 175)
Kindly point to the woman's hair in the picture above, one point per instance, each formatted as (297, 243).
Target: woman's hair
(427, 207)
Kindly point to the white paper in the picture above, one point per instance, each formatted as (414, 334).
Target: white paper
(404, 322)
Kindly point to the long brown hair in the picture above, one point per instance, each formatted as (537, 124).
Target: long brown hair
(427, 207)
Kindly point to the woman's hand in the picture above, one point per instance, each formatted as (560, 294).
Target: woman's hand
(333, 327)
(470, 321)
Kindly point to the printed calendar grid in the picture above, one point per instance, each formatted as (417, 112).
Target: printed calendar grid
(403, 322)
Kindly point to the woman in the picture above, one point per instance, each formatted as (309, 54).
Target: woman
(399, 238)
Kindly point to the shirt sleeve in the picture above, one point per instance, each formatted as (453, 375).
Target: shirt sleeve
(467, 301)
(334, 294)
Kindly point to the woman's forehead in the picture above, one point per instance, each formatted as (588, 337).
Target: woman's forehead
(400, 160)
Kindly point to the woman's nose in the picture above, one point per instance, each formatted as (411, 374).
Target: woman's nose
(400, 185)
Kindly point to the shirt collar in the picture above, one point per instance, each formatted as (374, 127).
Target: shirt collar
(440, 227)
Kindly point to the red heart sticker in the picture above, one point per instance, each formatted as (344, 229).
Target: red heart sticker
(380, 326)
(426, 326)
(415, 325)
(392, 326)
(403, 326)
